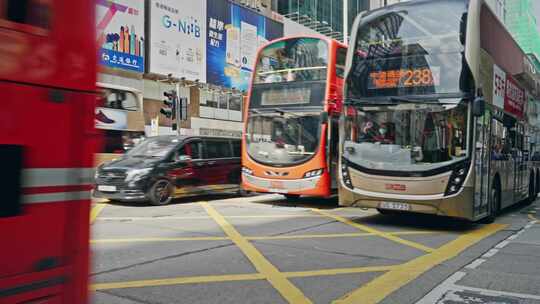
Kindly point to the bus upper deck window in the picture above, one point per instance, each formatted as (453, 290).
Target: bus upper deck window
(35, 13)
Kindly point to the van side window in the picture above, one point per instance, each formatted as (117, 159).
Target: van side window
(218, 149)
(237, 148)
(195, 147)
(35, 13)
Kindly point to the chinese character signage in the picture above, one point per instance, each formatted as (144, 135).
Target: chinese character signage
(233, 37)
(120, 30)
(507, 93)
(177, 38)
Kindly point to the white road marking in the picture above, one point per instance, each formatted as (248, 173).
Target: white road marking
(490, 253)
(475, 264)
(502, 244)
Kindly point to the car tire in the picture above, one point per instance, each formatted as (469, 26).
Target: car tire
(160, 193)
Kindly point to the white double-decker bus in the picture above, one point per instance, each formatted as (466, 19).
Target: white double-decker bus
(440, 112)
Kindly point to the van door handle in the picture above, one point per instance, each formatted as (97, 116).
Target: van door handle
(211, 163)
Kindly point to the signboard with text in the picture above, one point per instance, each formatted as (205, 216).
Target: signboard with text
(233, 37)
(177, 38)
(120, 30)
(507, 93)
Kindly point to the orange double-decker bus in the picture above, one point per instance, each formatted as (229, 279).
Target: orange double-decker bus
(290, 143)
(47, 141)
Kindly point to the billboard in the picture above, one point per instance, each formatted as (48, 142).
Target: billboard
(177, 38)
(120, 30)
(111, 119)
(233, 37)
(507, 93)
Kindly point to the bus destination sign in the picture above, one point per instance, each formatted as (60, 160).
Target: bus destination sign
(405, 78)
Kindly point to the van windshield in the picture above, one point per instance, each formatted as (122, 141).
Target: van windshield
(153, 147)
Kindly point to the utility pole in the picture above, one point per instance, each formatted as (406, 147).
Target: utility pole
(345, 21)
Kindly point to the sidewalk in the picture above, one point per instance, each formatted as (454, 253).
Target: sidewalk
(509, 273)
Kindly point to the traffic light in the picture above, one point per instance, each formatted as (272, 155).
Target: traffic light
(170, 105)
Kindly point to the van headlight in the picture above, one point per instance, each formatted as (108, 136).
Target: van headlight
(137, 174)
(247, 171)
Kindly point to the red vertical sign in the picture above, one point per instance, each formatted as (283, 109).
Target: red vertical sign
(514, 98)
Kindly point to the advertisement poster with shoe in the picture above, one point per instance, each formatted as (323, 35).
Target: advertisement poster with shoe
(234, 35)
(120, 30)
(177, 44)
(111, 119)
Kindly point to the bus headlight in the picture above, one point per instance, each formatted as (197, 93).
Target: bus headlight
(247, 171)
(457, 178)
(313, 173)
(345, 175)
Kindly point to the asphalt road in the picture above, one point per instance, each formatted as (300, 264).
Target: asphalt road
(264, 249)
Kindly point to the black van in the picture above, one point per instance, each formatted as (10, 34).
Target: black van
(163, 167)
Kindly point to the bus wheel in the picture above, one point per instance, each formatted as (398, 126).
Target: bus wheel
(292, 197)
(532, 190)
(494, 204)
(160, 193)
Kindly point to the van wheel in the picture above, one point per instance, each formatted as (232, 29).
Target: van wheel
(160, 193)
(494, 204)
(244, 193)
(292, 197)
(387, 212)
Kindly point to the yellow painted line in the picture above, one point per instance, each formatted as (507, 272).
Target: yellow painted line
(96, 210)
(336, 235)
(379, 233)
(378, 289)
(177, 281)
(533, 218)
(337, 271)
(280, 282)
(160, 218)
(149, 240)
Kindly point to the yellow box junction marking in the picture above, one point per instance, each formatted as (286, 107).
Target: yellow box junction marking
(178, 281)
(251, 238)
(381, 287)
(376, 232)
(280, 282)
(96, 210)
(235, 277)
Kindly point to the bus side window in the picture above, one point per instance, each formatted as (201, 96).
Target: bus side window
(341, 56)
(35, 13)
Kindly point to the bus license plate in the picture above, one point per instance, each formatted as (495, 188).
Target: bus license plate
(104, 188)
(395, 206)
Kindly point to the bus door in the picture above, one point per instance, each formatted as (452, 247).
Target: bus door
(481, 165)
(333, 149)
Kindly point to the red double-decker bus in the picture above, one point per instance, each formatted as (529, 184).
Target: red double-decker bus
(290, 143)
(47, 139)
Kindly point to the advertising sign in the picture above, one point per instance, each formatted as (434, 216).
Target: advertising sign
(177, 38)
(111, 119)
(234, 35)
(514, 99)
(120, 30)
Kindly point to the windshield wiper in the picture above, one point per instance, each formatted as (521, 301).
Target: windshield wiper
(413, 100)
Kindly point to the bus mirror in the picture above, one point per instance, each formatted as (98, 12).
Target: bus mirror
(479, 106)
(324, 117)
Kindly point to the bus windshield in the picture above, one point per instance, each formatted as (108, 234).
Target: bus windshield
(411, 49)
(298, 59)
(406, 137)
(282, 138)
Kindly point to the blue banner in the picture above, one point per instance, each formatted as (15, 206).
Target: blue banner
(121, 60)
(233, 37)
